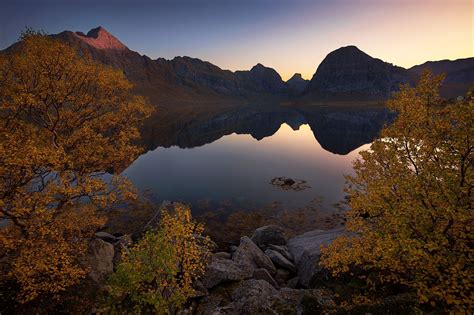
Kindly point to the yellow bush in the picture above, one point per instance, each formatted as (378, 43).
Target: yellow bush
(411, 200)
(158, 272)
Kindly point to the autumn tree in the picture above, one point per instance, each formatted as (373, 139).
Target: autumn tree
(65, 120)
(411, 200)
(157, 274)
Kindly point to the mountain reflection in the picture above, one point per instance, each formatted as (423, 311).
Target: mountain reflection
(338, 130)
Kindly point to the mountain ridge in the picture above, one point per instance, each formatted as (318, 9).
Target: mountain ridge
(346, 74)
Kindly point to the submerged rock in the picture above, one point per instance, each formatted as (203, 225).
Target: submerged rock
(286, 183)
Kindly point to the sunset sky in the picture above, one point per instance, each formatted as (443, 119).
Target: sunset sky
(290, 36)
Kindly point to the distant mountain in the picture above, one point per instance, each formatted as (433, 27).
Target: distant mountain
(261, 79)
(345, 74)
(459, 74)
(349, 73)
(297, 83)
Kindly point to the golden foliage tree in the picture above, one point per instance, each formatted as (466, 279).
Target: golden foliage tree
(64, 121)
(411, 199)
(158, 272)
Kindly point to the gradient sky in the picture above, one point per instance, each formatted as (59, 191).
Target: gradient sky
(289, 36)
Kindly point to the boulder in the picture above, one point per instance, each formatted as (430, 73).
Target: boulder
(100, 257)
(269, 234)
(282, 275)
(305, 249)
(263, 274)
(282, 250)
(251, 297)
(292, 283)
(249, 254)
(222, 255)
(222, 270)
(279, 260)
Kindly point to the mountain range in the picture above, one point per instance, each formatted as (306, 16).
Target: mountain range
(345, 74)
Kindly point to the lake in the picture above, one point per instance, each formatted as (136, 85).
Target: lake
(227, 161)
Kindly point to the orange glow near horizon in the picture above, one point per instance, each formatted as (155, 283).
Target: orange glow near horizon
(405, 33)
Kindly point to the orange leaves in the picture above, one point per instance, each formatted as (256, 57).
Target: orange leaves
(64, 121)
(411, 200)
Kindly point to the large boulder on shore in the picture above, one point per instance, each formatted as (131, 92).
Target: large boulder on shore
(269, 234)
(249, 254)
(221, 270)
(306, 251)
(100, 259)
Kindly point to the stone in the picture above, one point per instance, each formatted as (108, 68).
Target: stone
(222, 255)
(252, 297)
(223, 270)
(282, 250)
(106, 236)
(305, 249)
(249, 254)
(100, 257)
(292, 283)
(279, 260)
(263, 274)
(269, 234)
(233, 248)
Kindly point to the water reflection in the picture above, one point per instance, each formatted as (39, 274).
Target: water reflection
(232, 157)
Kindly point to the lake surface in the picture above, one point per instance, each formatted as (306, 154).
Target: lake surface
(231, 158)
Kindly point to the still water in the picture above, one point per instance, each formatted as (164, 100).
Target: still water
(237, 167)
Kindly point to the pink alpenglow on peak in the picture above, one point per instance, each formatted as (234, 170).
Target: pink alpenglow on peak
(101, 39)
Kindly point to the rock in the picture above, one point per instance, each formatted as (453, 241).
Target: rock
(100, 259)
(282, 250)
(306, 251)
(289, 183)
(249, 254)
(269, 234)
(263, 274)
(222, 270)
(282, 275)
(106, 237)
(233, 248)
(279, 260)
(222, 255)
(252, 297)
(292, 283)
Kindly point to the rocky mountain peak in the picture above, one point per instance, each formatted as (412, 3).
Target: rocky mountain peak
(100, 38)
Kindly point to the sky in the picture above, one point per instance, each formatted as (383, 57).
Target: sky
(291, 36)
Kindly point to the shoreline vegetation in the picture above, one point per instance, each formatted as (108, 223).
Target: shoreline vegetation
(406, 246)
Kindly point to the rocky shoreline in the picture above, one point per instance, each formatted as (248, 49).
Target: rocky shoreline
(265, 273)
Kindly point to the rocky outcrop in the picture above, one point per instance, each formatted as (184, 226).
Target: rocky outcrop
(305, 249)
(279, 260)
